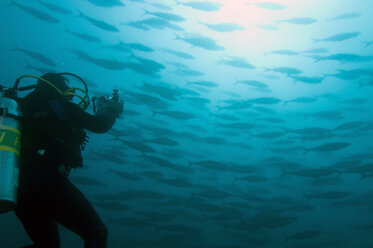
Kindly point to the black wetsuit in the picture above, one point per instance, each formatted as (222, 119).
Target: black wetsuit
(46, 196)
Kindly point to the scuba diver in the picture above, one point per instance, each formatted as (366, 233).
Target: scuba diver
(52, 137)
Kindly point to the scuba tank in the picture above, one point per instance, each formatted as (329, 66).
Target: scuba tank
(10, 140)
(10, 135)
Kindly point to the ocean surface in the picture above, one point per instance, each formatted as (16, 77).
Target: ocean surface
(246, 123)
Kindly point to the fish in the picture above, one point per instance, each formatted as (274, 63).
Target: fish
(363, 170)
(283, 52)
(339, 37)
(98, 23)
(349, 125)
(254, 83)
(227, 117)
(209, 164)
(178, 115)
(189, 72)
(303, 235)
(355, 101)
(236, 125)
(36, 13)
(154, 22)
(125, 175)
(345, 58)
(179, 228)
(82, 36)
(137, 146)
(166, 15)
(108, 64)
(203, 5)
(345, 16)
(352, 74)
(130, 222)
(107, 3)
(163, 90)
(112, 206)
(155, 175)
(299, 21)
(288, 71)
(197, 128)
(268, 5)
(329, 147)
(326, 115)
(311, 173)
(131, 194)
(264, 100)
(42, 70)
(302, 100)
(368, 43)
(117, 158)
(173, 153)
(198, 40)
(272, 120)
(317, 50)
(213, 194)
(161, 6)
(268, 135)
(162, 141)
(145, 66)
(209, 84)
(237, 62)
(327, 195)
(308, 80)
(54, 7)
(35, 55)
(212, 140)
(224, 27)
(87, 181)
(252, 179)
(177, 183)
(179, 54)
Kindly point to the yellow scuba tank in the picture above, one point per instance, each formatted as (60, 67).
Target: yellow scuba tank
(10, 140)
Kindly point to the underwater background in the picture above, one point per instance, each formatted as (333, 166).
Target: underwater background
(246, 123)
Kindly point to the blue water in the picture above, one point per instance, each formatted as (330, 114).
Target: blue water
(269, 141)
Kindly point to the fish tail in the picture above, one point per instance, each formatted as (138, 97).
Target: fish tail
(15, 48)
(146, 12)
(189, 163)
(12, 3)
(339, 174)
(362, 176)
(80, 14)
(154, 113)
(286, 238)
(284, 172)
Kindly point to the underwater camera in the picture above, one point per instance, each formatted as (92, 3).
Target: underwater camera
(101, 103)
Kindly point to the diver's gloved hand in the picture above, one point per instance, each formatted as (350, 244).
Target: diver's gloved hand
(116, 107)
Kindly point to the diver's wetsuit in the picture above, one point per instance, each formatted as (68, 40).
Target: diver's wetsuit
(46, 196)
